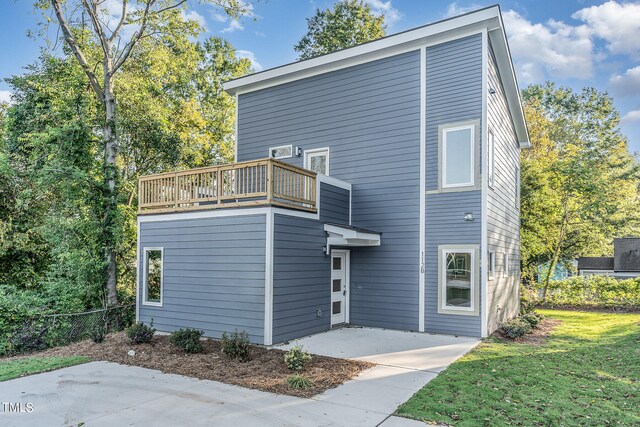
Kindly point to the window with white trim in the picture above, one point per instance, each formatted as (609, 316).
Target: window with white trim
(491, 265)
(153, 276)
(491, 160)
(458, 280)
(458, 157)
(281, 152)
(317, 160)
(505, 265)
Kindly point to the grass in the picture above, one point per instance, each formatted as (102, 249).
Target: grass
(586, 374)
(10, 369)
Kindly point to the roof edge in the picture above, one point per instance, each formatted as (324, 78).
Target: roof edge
(393, 40)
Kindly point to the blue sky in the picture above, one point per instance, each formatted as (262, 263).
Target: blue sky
(572, 42)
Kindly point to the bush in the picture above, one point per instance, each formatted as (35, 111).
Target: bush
(515, 328)
(299, 381)
(236, 345)
(296, 358)
(98, 333)
(532, 318)
(187, 340)
(595, 292)
(140, 333)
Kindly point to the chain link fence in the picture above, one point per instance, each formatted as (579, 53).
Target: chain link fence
(52, 330)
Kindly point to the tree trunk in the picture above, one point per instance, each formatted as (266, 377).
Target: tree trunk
(556, 253)
(111, 200)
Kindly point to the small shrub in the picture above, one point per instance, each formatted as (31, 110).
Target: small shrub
(98, 333)
(187, 340)
(515, 328)
(532, 318)
(236, 345)
(299, 381)
(140, 333)
(296, 358)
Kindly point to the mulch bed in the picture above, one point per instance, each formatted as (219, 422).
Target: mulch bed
(265, 371)
(538, 335)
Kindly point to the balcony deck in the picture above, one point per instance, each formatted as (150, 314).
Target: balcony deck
(266, 182)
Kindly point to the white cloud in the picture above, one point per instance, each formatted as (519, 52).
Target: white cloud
(616, 23)
(627, 84)
(455, 9)
(631, 116)
(234, 25)
(192, 15)
(391, 14)
(5, 96)
(550, 50)
(251, 57)
(219, 17)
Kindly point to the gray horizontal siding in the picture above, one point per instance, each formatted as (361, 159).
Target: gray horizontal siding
(334, 204)
(301, 278)
(503, 216)
(213, 274)
(454, 94)
(369, 117)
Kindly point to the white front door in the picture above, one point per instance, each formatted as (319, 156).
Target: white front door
(339, 286)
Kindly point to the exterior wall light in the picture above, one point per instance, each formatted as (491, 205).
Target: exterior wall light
(468, 216)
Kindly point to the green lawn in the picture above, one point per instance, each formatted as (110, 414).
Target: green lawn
(588, 373)
(15, 368)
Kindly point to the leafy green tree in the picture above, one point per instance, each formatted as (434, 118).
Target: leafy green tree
(144, 19)
(349, 23)
(580, 184)
(172, 114)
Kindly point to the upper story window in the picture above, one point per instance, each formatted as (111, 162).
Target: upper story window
(317, 160)
(491, 160)
(282, 152)
(153, 277)
(457, 158)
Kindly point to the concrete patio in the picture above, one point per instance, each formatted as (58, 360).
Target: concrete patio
(102, 393)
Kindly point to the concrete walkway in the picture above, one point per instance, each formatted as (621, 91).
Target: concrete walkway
(108, 394)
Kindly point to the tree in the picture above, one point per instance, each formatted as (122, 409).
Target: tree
(146, 19)
(349, 23)
(580, 184)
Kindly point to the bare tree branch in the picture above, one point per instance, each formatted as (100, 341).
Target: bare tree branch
(92, 9)
(123, 18)
(77, 51)
(136, 36)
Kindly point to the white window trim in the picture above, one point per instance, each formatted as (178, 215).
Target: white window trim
(316, 151)
(505, 265)
(290, 147)
(473, 251)
(145, 276)
(491, 271)
(491, 161)
(444, 156)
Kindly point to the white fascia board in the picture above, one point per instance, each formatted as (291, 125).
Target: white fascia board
(364, 52)
(504, 62)
(349, 234)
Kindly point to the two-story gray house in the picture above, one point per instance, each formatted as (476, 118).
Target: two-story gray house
(374, 186)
